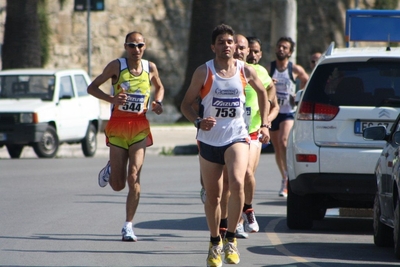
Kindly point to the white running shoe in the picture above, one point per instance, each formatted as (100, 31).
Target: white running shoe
(104, 175)
(128, 234)
(203, 195)
(240, 233)
(283, 191)
(250, 222)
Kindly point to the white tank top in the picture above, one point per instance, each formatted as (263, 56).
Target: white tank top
(285, 88)
(224, 99)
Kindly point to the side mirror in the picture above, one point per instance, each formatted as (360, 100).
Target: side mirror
(298, 96)
(396, 138)
(375, 133)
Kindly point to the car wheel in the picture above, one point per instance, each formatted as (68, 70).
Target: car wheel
(298, 211)
(396, 231)
(383, 234)
(14, 151)
(47, 147)
(89, 143)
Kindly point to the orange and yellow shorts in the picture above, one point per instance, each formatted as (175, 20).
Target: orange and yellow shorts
(124, 132)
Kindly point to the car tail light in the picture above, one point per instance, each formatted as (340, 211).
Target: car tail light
(323, 112)
(317, 111)
(306, 158)
(306, 111)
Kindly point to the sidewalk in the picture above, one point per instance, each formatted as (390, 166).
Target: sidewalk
(167, 140)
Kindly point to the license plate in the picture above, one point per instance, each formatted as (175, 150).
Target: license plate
(3, 137)
(360, 126)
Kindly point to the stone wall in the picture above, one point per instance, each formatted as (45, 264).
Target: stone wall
(166, 25)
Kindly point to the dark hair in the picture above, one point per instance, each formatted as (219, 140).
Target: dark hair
(129, 34)
(289, 40)
(253, 39)
(221, 29)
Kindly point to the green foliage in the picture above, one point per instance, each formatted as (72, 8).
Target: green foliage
(167, 151)
(386, 4)
(45, 32)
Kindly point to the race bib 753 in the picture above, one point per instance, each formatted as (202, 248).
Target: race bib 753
(225, 107)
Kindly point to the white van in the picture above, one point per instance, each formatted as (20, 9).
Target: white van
(45, 108)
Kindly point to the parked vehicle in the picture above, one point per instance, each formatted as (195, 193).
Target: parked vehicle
(45, 108)
(330, 165)
(387, 198)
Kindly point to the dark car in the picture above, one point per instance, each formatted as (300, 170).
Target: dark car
(387, 200)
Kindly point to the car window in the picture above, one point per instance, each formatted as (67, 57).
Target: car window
(66, 89)
(27, 86)
(81, 85)
(355, 83)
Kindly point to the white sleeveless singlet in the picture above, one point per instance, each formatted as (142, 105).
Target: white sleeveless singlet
(224, 99)
(285, 88)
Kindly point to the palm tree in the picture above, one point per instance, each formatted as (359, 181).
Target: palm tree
(206, 15)
(21, 48)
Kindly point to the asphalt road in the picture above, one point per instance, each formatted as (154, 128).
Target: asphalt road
(165, 138)
(53, 213)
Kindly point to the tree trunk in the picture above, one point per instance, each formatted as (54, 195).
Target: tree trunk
(21, 47)
(206, 15)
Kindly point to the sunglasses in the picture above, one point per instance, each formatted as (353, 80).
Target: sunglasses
(134, 45)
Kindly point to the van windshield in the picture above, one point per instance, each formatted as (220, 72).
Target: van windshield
(27, 86)
(373, 83)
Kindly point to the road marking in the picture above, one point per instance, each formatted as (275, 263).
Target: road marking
(275, 240)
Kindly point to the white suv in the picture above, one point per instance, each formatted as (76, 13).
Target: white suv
(44, 108)
(329, 163)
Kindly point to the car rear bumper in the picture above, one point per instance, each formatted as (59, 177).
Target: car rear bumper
(339, 186)
(21, 134)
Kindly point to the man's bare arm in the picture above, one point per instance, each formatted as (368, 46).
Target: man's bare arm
(156, 81)
(192, 93)
(301, 75)
(109, 72)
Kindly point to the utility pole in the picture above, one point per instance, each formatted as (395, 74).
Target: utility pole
(88, 6)
(284, 23)
(89, 42)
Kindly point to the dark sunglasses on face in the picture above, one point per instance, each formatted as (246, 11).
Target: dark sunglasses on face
(134, 45)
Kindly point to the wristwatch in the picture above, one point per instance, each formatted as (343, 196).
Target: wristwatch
(197, 123)
(264, 125)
